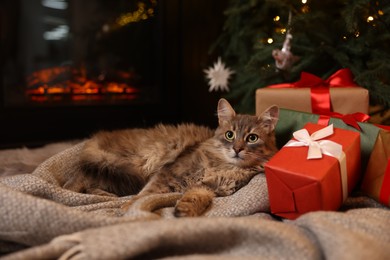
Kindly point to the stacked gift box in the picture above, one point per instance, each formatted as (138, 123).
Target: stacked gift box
(299, 182)
(339, 93)
(376, 180)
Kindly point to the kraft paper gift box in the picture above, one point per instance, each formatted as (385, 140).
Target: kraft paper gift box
(376, 180)
(313, 95)
(297, 185)
(291, 120)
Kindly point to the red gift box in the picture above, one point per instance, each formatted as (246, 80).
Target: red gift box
(297, 185)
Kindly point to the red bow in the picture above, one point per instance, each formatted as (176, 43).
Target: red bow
(319, 88)
(349, 119)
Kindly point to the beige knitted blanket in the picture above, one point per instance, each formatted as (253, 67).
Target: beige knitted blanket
(41, 220)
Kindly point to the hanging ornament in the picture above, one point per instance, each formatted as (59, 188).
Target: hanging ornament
(284, 58)
(218, 76)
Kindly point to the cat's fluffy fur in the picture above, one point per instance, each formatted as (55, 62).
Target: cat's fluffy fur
(193, 160)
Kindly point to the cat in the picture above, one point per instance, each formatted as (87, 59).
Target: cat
(190, 159)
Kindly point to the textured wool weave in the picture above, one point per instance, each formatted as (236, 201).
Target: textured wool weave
(39, 219)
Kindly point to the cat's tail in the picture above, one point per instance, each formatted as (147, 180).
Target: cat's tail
(109, 172)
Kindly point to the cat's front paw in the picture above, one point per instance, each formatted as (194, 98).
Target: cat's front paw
(221, 185)
(185, 208)
(226, 188)
(194, 203)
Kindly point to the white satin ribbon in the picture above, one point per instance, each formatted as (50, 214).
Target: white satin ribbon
(319, 147)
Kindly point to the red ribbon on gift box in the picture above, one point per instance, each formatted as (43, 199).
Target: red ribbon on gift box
(385, 127)
(319, 88)
(349, 119)
(384, 195)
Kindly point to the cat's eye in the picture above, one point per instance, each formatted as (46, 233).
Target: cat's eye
(229, 135)
(252, 138)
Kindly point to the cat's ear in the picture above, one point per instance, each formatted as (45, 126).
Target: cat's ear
(225, 111)
(270, 117)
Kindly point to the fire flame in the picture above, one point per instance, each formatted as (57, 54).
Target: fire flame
(44, 84)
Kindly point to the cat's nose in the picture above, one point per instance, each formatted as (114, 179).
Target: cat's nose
(237, 149)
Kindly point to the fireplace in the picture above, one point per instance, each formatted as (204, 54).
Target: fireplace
(70, 67)
(84, 52)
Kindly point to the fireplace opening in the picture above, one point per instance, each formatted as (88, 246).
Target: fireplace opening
(73, 85)
(69, 68)
(72, 53)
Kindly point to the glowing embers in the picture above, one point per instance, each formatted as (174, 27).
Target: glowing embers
(67, 83)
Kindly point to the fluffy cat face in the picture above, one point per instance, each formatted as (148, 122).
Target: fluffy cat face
(246, 141)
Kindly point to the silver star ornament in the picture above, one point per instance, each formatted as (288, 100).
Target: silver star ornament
(218, 76)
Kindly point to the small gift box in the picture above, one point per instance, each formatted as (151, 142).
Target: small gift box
(315, 171)
(313, 95)
(376, 180)
(291, 120)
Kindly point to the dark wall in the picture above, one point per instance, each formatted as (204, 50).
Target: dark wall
(202, 22)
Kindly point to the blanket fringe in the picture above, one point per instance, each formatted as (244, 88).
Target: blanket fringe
(74, 252)
(63, 247)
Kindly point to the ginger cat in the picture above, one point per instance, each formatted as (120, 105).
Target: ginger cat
(190, 159)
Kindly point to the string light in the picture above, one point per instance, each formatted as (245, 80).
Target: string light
(143, 12)
(305, 9)
(270, 40)
(276, 18)
(357, 34)
(370, 19)
(140, 14)
(280, 30)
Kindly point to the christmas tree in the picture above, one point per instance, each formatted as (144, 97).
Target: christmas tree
(272, 41)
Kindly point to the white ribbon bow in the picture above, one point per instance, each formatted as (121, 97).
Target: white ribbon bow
(318, 148)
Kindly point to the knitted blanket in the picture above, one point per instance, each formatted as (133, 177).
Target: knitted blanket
(40, 220)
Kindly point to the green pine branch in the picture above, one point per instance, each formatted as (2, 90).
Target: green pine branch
(328, 35)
